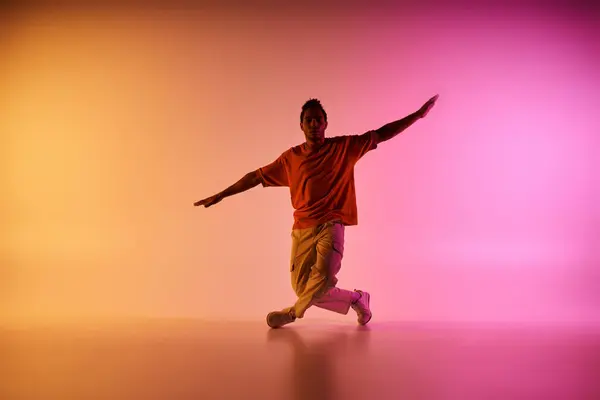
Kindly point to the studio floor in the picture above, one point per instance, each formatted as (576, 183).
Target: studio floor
(189, 359)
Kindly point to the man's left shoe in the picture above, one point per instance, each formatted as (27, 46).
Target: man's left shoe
(277, 319)
(361, 306)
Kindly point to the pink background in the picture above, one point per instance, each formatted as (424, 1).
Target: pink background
(115, 120)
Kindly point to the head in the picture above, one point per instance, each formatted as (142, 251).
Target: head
(313, 121)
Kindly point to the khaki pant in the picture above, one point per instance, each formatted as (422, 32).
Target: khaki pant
(316, 260)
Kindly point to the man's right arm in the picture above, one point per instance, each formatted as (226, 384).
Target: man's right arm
(247, 182)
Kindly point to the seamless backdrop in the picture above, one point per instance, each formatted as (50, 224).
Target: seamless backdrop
(115, 119)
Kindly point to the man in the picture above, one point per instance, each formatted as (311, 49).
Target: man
(320, 175)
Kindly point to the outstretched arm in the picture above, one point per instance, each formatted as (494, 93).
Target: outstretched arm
(392, 129)
(247, 182)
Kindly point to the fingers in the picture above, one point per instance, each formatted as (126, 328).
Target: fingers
(206, 202)
(431, 101)
(428, 105)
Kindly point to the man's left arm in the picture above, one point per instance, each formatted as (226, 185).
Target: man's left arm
(392, 129)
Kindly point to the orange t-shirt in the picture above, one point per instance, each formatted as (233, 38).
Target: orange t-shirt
(321, 182)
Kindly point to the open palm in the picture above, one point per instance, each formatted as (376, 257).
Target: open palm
(209, 201)
(428, 106)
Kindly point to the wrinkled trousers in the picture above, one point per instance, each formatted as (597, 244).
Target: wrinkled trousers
(316, 259)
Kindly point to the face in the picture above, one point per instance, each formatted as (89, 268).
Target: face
(313, 125)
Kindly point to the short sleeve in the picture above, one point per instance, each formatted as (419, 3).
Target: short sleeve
(274, 174)
(359, 145)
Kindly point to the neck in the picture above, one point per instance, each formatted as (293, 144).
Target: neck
(313, 145)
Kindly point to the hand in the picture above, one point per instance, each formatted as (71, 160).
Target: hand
(209, 201)
(427, 106)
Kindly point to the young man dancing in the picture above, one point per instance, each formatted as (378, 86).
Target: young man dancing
(320, 175)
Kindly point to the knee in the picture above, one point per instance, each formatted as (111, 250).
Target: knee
(324, 289)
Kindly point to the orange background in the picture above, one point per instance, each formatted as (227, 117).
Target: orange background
(115, 120)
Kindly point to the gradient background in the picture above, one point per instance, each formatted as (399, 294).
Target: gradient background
(115, 119)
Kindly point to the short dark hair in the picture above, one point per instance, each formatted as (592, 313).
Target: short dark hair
(312, 103)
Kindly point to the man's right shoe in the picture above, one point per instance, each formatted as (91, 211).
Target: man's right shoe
(361, 306)
(277, 319)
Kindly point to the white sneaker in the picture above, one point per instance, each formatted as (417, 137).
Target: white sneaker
(277, 319)
(361, 306)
